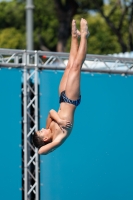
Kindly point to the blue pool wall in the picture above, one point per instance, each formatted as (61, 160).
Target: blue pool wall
(96, 161)
(10, 134)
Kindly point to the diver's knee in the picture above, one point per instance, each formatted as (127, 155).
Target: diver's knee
(76, 66)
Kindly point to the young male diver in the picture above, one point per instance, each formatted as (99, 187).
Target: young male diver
(59, 124)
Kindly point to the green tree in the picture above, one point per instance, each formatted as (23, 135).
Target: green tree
(101, 40)
(111, 27)
(13, 23)
(52, 21)
(12, 29)
(45, 25)
(119, 17)
(65, 11)
(12, 38)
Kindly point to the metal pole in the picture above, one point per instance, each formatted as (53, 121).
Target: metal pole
(29, 24)
(36, 122)
(25, 128)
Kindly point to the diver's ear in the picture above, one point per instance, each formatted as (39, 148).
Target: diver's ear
(45, 139)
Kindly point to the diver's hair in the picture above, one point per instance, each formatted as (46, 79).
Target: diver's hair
(37, 141)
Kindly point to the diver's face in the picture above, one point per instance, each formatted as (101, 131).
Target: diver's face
(43, 133)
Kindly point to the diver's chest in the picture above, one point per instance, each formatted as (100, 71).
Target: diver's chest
(55, 127)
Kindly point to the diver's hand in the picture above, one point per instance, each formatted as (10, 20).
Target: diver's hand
(65, 124)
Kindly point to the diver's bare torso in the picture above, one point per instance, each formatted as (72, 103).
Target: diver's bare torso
(66, 111)
(59, 133)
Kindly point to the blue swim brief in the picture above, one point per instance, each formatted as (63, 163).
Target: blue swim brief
(64, 98)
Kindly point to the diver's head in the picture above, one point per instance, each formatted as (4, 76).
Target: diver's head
(42, 137)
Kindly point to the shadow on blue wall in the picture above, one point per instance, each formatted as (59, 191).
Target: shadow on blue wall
(96, 161)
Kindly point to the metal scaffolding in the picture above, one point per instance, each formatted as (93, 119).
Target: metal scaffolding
(31, 62)
(57, 61)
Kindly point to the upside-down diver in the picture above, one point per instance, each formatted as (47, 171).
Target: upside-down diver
(59, 124)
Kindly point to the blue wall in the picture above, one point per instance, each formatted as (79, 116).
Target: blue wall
(96, 161)
(10, 134)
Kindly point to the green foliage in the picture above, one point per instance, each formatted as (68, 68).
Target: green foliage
(101, 39)
(45, 24)
(13, 24)
(11, 38)
(85, 5)
(12, 14)
(12, 29)
(115, 19)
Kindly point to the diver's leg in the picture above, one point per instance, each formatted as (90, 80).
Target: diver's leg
(73, 52)
(73, 82)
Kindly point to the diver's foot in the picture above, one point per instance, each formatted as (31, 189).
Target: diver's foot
(75, 33)
(84, 28)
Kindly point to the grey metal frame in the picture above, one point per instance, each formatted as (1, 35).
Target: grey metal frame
(31, 62)
(30, 124)
(55, 61)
